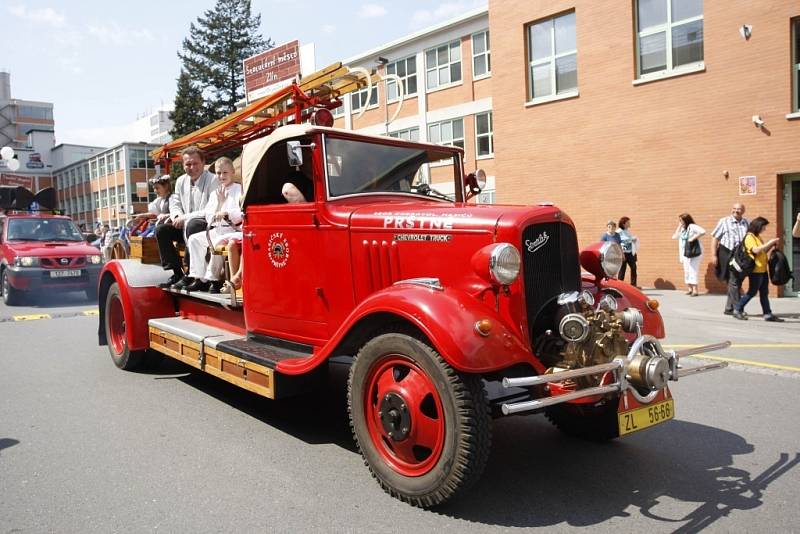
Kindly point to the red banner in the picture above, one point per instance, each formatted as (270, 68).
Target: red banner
(271, 70)
(16, 179)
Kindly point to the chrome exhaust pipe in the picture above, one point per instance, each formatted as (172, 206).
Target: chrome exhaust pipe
(527, 406)
(560, 376)
(700, 369)
(700, 350)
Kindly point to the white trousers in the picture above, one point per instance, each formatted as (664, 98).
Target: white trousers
(198, 246)
(691, 269)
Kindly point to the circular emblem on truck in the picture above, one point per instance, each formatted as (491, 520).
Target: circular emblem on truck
(278, 250)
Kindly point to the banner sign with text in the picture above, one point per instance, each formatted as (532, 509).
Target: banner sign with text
(272, 70)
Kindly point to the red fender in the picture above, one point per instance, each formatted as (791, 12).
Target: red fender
(447, 317)
(140, 303)
(631, 298)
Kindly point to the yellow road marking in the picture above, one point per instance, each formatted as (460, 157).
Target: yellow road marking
(32, 317)
(749, 362)
(743, 346)
(91, 313)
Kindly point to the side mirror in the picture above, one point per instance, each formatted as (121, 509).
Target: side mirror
(475, 182)
(294, 152)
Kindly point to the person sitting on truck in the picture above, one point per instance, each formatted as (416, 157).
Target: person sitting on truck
(158, 210)
(222, 215)
(186, 214)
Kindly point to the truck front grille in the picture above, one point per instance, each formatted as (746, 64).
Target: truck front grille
(550, 265)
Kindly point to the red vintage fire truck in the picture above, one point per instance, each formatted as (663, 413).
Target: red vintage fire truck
(450, 313)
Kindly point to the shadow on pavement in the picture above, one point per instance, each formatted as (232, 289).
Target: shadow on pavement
(7, 442)
(537, 477)
(59, 300)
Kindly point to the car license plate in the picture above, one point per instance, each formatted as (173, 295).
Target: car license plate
(646, 416)
(65, 274)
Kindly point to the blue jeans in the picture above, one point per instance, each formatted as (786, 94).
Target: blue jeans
(759, 283)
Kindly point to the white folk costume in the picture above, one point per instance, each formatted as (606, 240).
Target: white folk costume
(198, 243)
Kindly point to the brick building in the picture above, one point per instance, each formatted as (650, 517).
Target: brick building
(647, 109)
(447, 79)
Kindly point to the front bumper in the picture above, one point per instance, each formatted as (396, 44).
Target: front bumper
(626, 375)
(39, 278)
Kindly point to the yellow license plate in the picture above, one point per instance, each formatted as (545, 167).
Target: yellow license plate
(645, 417)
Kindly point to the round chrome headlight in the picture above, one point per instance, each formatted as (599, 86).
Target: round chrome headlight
(611, 258)
(504, 263)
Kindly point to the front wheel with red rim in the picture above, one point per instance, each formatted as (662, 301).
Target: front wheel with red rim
(116, 324)
(422, 428)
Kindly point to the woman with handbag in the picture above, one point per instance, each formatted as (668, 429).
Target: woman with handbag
(759, 278)
(690, 251)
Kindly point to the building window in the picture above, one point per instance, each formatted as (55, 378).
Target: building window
(406, 70)
(102, 168)
(410, 134)
(553, 53)
(35, 112)
(486, 197)
(359, 99)
(669, 35)
(443, 65)
(484, 139)
(338, 111)
(139, 159)
(447, 133)
(481, 59)
(111, 168)
(796, 64)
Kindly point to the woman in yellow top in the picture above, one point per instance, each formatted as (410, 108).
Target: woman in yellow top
(759, 278)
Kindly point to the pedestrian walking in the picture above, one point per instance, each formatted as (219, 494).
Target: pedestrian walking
(630, 248)
(611, 233)
(758, 279)
(727, 235)
(690, 250)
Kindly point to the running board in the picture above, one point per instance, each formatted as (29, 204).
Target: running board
(198, 345)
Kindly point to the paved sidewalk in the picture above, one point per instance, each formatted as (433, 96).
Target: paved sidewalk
(699, 321)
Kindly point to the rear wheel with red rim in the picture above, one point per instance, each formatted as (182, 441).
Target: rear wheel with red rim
(422, 428)
(116, 332)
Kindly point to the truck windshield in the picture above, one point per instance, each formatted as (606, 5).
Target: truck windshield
(43, 230)
(359, 167)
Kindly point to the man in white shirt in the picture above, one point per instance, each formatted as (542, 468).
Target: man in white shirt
(186, 211)
(728, 233)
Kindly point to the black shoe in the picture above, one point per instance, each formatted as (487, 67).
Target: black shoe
(216, 286)
(728, 312)
(773, 318)
(183, 283)
(740, 315)
(198, 285)
(174, 279)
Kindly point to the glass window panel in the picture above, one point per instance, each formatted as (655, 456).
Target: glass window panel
(401, 68)
(482, 123)
(411, 85)
(458, 129)
(651, 13)
(441, 55)
(478, 46)
(488, 63)
(653, 53)
(373, 99)
(687, 43)
(685, 9)
(447, 131)
(483, 146)
(566, 73)
(391, 90)
(479, 66)
(540, 80)
(459, 143)
(390, 68)
(430, 58)
(433, 133)
(431, 79)
(797, 42)
(411, 65)
(455, 51)
(565, 33)
(455, 72)
(414, 134)
(540, 40)
(444, 75)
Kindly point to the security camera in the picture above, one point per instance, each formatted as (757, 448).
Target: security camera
(758, 121)
(746, 30)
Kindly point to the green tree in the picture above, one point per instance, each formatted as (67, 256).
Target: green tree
(190, 111)
(213, 53)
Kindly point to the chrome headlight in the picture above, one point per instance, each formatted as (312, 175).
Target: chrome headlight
(611, 258)
(94, 259)
(504, 263)
(26, 261)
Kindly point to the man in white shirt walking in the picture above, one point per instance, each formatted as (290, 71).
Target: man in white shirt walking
(186, 211)
(728, 233)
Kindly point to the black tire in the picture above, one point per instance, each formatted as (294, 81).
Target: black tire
(122, 356)
(11, 296)
(466, 437)
(592, 423)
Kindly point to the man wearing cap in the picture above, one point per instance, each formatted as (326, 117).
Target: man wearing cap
(186, 211)
(728, 233)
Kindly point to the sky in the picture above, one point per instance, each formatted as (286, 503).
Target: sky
(105, 64)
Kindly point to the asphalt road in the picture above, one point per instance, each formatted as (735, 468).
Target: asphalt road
(85, 447)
